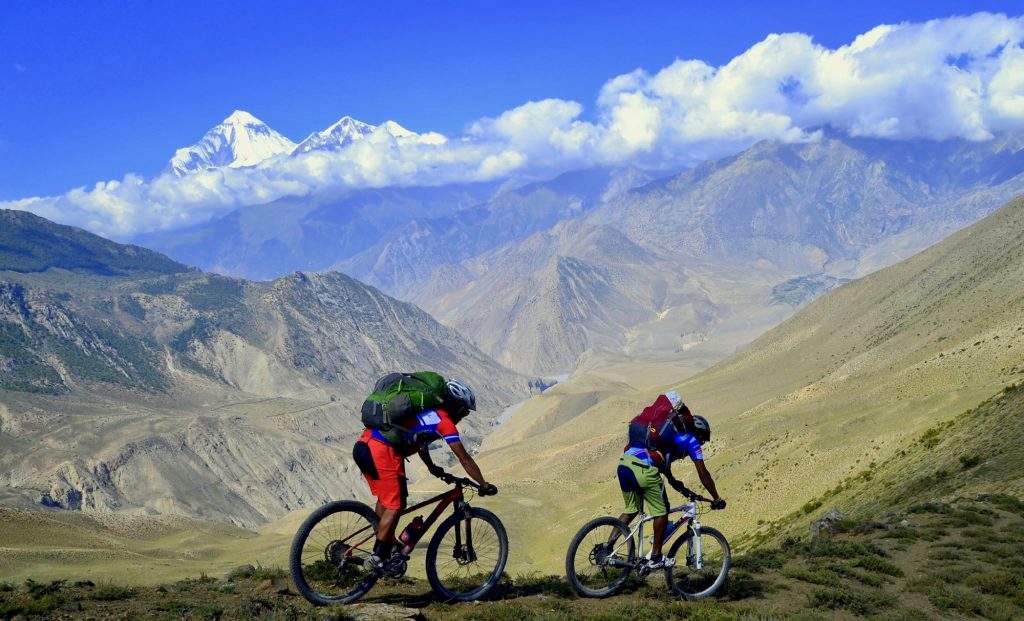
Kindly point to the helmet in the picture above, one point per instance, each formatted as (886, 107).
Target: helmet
(461, 392)
(701, 429)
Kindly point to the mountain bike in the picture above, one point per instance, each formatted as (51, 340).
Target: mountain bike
(605, 552)
(465, 558)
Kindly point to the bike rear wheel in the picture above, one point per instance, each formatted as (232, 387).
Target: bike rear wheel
(329, 552)
(595, 569)
(467, 555)
(685, 578)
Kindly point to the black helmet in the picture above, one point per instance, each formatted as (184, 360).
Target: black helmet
(701, 429)
(461, 392)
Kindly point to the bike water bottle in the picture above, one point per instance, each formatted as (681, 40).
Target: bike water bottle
(411, 530)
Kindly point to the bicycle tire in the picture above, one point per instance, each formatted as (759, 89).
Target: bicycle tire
(723, 572)
(617, 576)
(448, 592)
(363, 582)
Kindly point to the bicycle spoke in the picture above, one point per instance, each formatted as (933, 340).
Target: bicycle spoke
(332, 558)
(600, 558)
(464, 568)
(689, 580)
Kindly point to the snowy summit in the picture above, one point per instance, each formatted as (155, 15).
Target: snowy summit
(240, 140)
(345, 132)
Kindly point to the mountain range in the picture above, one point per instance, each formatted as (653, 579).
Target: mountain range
(506, 264)
(243, 140)
(134, 383)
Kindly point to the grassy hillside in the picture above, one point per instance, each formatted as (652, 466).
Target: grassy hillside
(850, 381)
(29, 243)
(935, 560)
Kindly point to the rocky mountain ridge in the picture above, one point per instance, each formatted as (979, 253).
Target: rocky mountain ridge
(198, 394)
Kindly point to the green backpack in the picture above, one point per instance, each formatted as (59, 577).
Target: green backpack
(397, 396)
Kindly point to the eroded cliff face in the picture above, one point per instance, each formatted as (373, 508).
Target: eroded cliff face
(196, 394)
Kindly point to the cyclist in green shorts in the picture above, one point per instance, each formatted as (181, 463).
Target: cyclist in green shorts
(641, 468)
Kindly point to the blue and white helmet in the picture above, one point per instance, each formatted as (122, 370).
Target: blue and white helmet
(461, 392)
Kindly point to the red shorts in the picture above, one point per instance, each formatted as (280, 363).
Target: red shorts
(383, 469)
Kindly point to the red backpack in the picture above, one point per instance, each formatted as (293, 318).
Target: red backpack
(656, 427)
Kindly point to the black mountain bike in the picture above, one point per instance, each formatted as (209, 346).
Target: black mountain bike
(465, 558)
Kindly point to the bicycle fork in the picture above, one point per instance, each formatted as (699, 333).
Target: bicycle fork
(464, 554)
(694, 551)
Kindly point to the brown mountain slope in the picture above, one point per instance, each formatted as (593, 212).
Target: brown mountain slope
(200, 395)
(844, 383)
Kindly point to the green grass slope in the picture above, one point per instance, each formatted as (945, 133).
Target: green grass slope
(29, 243)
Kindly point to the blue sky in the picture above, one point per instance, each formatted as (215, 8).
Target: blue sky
(91, 91)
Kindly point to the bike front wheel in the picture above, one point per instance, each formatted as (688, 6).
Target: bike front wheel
(467, 555)
(600, 558)
(329, 553)
(696, 578)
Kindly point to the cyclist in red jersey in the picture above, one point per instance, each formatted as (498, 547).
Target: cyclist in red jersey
(383, 464)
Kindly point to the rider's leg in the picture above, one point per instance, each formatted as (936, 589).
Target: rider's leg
(656, 501)
(386, 532)
(632, 493)
(659, 532)
(389, 486)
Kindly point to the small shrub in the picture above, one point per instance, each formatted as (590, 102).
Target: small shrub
(969, 518)
(813, 576)
(108, 592)
(256, 572)
(8, 610)
(996, 583)
(810, 506)
(536, 583)
(878, 565)
(856, 601)
(944, 554)
(931, 507)
(969, 461)
(1004, 502)
(847, 571)
(760, 560)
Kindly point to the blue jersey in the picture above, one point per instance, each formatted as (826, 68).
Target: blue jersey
(683, 445)
(422, 429)
(686, 444)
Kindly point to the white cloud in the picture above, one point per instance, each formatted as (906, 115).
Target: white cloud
(957, 77)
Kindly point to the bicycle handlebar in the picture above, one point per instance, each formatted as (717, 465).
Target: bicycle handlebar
(452, 479)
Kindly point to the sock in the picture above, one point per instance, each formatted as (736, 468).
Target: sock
(382, 549)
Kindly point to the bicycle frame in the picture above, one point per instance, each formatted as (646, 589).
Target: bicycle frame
(444, 499)
(690, 521)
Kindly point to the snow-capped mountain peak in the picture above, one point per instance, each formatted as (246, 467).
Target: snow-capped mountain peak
(240, 140)
(346, 131)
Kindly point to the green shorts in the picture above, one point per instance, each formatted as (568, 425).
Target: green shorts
(641, 486)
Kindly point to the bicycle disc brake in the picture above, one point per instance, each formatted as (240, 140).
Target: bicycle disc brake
(463, 555)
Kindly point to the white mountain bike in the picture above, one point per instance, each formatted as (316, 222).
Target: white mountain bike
(605, 552)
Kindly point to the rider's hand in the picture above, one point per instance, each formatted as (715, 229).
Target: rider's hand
(718, 503)
(488, 489)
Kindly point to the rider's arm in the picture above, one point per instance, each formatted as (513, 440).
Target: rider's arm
(467, 462)
(435, 470)
(705, 477)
